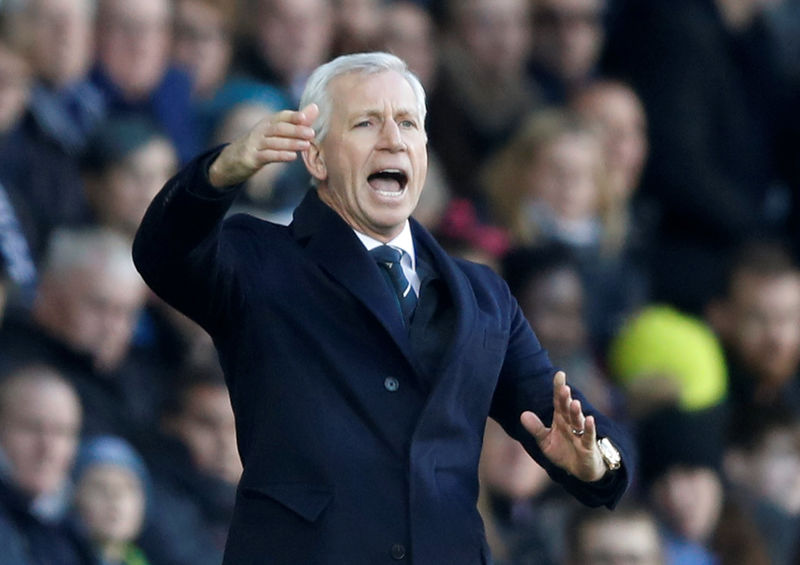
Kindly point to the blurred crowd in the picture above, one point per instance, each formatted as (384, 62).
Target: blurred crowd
(632, 168)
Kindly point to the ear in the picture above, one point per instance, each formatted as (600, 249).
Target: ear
(315, 162)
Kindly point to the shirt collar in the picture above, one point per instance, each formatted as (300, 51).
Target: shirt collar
(403, 241)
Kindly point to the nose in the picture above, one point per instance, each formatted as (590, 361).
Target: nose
(391, 139)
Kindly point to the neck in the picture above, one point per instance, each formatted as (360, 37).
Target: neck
(113, 551)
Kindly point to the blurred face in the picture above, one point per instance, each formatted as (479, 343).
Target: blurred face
(621, 119)
(506, 468)
(134, 44)
(202, 44)
(496, 33)
(372, 164)
(690, 501)
(39, 434)
(294, 36)
(553, 304)
(620, 542)
(568, 36)
(98, 309)
(565, 177)
(208, 429)
(766, 325)
(358, 21)
(15, 82)
(63, 39)
(408, 33)
(110, 501)
(121, 200)
(776, 470)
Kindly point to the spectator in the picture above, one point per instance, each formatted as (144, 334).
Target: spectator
(681, 470)
(125, 164)
(195, 468)
(615, 109)
(568, 36)
(547, 184)
(204, 45)
(547, 283)
(630, 535)
(286, 40)
(408, 31)
(40, 418)
(64, 103)
(40, 187)
(358, 25)
(481, 90)
(523, 510)
(757, 317)
(82, 320)
(110, 498)
(706, 75)
(133, 68)
(762, 462)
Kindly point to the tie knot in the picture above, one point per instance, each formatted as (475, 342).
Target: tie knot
(386, 254)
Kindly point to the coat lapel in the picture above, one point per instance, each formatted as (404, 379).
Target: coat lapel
(331, 243)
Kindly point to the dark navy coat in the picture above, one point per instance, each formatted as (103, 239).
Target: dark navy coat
(353, 453)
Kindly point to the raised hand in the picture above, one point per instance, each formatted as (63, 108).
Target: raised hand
(275, 139)
(571, 441)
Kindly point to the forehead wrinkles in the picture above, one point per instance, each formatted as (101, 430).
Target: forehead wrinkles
(358, 93)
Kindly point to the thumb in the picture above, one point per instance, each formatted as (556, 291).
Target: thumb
(534, 425)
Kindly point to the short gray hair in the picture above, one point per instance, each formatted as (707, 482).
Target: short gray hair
(316, 89)
(71, 249)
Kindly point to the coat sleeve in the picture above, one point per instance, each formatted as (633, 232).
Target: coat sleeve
(526, 383)
(179, 250)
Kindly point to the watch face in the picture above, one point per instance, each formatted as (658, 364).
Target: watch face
(610, 453)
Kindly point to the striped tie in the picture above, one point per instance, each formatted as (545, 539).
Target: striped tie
(388, 259)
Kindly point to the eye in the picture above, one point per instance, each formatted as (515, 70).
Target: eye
(408, 124)
(363, 124)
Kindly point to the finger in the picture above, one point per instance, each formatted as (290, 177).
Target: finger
(309, 113)
(288, 129)
(283, 144)
(276, 156)
(590, 437)
(577, 419)
(534, 425)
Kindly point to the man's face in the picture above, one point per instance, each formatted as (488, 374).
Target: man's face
(208, 429)
(39, 434)
(63, 39)
(134, 44)
(99, 309)
(294, 36)
(766, 325)
(372, 163)
(690, 501)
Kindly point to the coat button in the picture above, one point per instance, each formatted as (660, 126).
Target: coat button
(398, 551)
(391, 384)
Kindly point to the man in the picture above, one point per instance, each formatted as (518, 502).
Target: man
(81, 322)
(359, 423)
(134, 71)
(39, 425)
(757, 317)
(195, 469)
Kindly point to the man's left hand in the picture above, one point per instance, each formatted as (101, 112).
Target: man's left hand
(571, 441)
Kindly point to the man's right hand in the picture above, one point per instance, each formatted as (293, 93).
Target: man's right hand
(275, 139)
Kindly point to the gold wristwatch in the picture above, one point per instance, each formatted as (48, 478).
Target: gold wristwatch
(609, 453)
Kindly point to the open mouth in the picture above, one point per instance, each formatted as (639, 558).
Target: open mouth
(388, 181)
